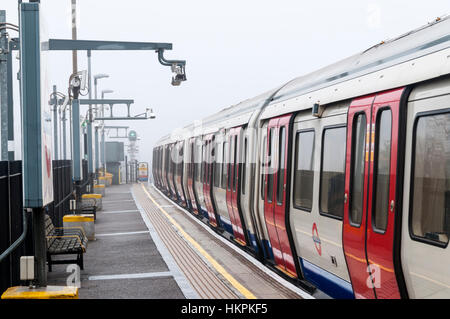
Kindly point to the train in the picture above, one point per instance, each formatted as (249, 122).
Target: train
(338, 180)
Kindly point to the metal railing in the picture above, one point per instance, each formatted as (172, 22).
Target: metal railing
(12, 223)
(62, 191)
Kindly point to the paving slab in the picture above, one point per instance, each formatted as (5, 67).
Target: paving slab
(123, 262)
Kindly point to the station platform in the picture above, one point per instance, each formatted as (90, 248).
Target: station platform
(147, 247)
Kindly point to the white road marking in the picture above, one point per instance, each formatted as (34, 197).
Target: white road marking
(121, 212)
(123, 234)
(118, 201)
(133, 276)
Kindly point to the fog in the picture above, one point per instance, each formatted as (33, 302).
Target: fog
(234, 49)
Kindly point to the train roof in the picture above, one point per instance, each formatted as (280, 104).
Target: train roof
(238, 114)
(384, 66)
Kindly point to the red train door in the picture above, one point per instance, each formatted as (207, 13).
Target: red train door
(233, 185)
(180, 168)
(209, 140)
(191, 171)
(370, 190)
(275, 200)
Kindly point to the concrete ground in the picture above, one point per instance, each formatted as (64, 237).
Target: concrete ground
(246, 279)
(123, 261)
(147, 248)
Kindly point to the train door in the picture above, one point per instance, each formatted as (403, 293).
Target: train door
(233, 186)
(370, 194)
(200, 175)
(260, 192)
(158, 167)
(166, 170)
(275, 194)
(207, 185)
(173, 189)
(169, 170)
(179, 168)
(191, 176)
(219, 195)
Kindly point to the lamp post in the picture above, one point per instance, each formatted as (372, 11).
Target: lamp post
(96, 143)
(103, 147)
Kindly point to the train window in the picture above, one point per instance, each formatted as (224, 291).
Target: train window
(217, 167)
(207, 161)
(271, 167)
(211, 162)
(203, 174)
(198, 164)
(304, 170)
(430, 189)
(358, 165)
(244, 167)
(332, 179)
(181, 161)
(382, 168)
(236, 163)
(224, 165)
(282, 165)
(191, 164)
(263, 167)
(231, 156)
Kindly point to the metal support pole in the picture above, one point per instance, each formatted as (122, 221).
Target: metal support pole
(97, 157)
(10, 107)
(55, 122)
(97, 153)
(64, 135)
(33, 162)
(89, 127)
(76, 151)
(4, 50)
(103, 152)
(126, 169)
(74, 36)
(40, 246)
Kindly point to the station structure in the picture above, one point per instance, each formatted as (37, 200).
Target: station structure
(74, 194)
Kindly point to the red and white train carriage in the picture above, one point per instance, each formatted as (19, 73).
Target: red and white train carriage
(339, 179)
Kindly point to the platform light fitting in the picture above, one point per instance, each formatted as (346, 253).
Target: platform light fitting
(177, 66)
(152, 115)
(107, 91)
(79, 80)
(179, 74)
(100, 76)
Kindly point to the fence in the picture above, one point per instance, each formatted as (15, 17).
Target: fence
(11, 222)
(62, 191)
(11, 208)
(132, 172)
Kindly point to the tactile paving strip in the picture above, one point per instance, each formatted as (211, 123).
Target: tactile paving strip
(282, 292)
(202, 278)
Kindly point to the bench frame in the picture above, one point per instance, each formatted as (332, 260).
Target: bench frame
(64, 235)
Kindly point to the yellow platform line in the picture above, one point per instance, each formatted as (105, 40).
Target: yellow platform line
(244, 291)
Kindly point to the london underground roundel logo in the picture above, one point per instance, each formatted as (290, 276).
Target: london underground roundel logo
(316, 239)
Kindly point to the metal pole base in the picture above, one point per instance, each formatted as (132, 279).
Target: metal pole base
(40, 246)
(78, 197)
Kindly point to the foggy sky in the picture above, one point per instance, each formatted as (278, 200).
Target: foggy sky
(234, 49)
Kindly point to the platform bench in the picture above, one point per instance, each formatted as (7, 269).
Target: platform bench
(64, 241)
